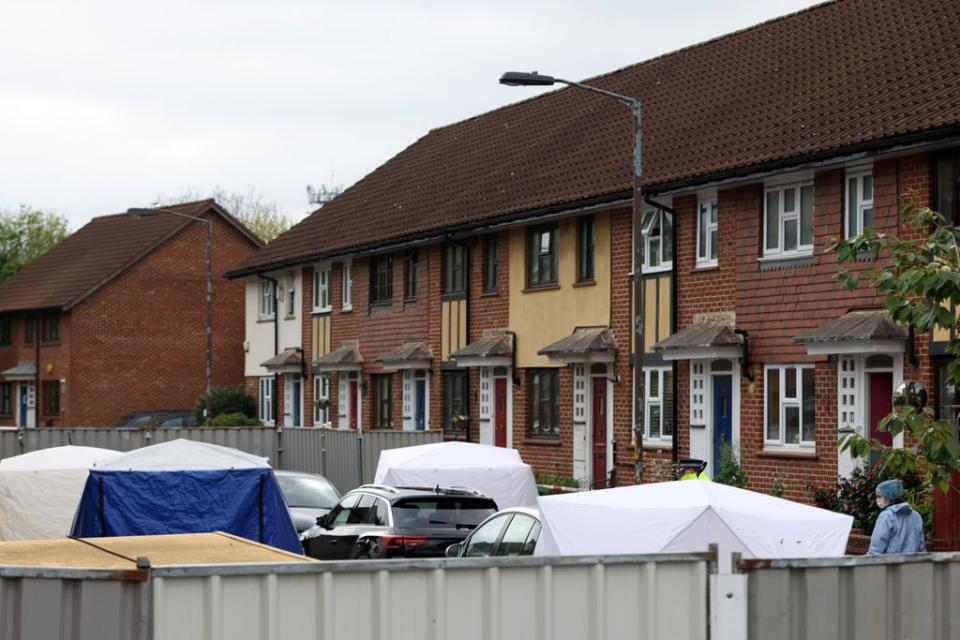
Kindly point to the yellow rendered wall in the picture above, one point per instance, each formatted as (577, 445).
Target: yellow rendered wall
(321, 336)
(453, 327)
(542, 317)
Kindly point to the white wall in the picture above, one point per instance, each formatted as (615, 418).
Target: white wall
(259, 333)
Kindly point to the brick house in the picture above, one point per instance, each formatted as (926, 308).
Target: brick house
(113, 320)
(759, 146)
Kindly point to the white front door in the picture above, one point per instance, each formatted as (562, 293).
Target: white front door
(292, 400)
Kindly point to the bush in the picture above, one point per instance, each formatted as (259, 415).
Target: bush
(234, 420)
(230, 400)
(730, 472)
(856, 496)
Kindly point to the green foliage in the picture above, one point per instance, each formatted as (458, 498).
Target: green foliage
(226, 400)
(261, 216)
(554, 479)
(26, 235)
(920, 284)
(780, 484)
(234, 420)
(730, 472)
(856, 495)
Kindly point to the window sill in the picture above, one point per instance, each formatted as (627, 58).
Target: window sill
(774, 263)
(585, 283)
(459, 295)
(266, 318)
(490, 294)
(656, 446)
(663, 268)
(542, 441)
(799, 454)
(323, 312)
(293, 317)
(346, 309)
(541, 287)
(380, 306)
(412, 302)
(706, 266)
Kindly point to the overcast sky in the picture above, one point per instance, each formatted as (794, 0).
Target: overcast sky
(106, 104)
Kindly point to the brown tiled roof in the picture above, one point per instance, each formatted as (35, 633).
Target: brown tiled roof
(701, 335)
(407, 352)
(494, 343)
(347, 356)
(583, 340)
(286, 359)
(95, 254)
(854, 327)
(843, 75)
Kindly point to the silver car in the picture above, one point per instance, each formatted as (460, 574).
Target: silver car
(308, 496)
(511, 532)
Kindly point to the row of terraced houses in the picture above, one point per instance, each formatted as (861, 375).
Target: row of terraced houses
(481, 282)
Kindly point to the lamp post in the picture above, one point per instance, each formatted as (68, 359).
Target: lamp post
(147, 213)
(534, 79)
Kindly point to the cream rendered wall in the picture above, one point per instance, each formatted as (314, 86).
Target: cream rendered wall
(542, 317)
(258, 345)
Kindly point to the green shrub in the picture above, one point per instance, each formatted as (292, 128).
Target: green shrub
(856, 496)
(226, 400)
(730, 472)
(234, 420)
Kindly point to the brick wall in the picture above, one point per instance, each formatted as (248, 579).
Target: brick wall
(54, 365)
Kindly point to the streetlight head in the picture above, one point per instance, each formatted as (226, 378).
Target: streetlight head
(522, 79)
(136, 212)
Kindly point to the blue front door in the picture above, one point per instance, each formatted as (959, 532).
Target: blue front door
(722, 417)
(420, 405)
(22, 422)
(296, 402)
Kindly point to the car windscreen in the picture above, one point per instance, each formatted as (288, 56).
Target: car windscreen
(309, 493)
(442, 512)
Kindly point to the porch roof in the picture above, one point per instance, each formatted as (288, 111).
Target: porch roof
(585, 344)
(705, 339)
(25, 370)
(855, 331)
(345, 358)
(409, 355)
(495, 346)
(287, 361)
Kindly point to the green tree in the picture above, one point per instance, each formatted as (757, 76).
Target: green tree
(26, 235)
(260, 215)
(226, 400)
(919, 280)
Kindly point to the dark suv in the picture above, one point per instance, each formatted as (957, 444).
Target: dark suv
(396, 522)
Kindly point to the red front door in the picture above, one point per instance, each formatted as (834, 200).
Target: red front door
(352, 409)
(500, 412)
(599, 428)
(881, 403)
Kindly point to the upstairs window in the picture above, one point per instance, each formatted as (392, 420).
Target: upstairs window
(455, 269)
(381, 280)
(859, 208)
(6, 331)
(490, 260)
(946, 181)
(268, 299)
(321, 289)
(585, 249)
(50, 327)
(29, 329)
(790, 415)
(788, 220)
(707, 232)
(291, 295)
(542, 256)
(658, 241)
(410, 276)
(347, 303)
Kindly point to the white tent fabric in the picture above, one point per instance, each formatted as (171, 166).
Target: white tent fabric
(496, 472)
(183, 455)
(40, 490)
(688, 515)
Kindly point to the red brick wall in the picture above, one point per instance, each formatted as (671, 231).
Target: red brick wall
(54, 366)
(139, 343)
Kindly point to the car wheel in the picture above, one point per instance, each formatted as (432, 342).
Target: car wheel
(360, 554)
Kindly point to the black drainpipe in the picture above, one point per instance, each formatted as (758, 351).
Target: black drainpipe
(276, 349)
(912, 348)
(745, 367)
(675, 441)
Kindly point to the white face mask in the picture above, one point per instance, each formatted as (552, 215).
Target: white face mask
(882, 503)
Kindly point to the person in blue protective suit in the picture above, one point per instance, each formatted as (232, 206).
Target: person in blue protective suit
(899, 528)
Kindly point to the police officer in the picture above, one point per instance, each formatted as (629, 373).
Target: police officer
(693, 469)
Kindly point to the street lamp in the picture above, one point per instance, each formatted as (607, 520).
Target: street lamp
(148, 213)
(534, 79)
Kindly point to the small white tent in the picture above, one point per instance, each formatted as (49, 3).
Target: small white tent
(688, 515)
(496, 472)
(40, 490)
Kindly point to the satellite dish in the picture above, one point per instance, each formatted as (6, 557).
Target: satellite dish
(910, 393)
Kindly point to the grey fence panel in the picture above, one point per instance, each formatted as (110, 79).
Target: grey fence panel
(875, 598)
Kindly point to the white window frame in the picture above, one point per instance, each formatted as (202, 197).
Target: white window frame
(659, 400)
(321, 289)
(707, 252)
(347, 303)
(783, 217)
(265, 400)
(321, 391)
(858, 176)
(268, 299)
(290, 296)
(652, 216)
(785, 402)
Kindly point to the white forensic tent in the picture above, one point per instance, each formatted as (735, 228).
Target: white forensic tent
(689, 515)
(40, 490)
(496, 472)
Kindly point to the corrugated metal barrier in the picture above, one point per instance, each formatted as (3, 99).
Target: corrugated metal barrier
(876, 597)
(344, 458)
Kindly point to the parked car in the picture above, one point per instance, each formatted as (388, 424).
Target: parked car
(161, 419)
(308, 496)
(396, 522)
(511, 532)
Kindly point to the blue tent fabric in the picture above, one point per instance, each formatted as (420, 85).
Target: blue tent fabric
(244, 502)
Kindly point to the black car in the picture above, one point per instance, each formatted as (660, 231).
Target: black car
(396, 522)
(160, 419)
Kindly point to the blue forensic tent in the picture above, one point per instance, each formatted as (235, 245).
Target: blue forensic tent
(183, 486)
